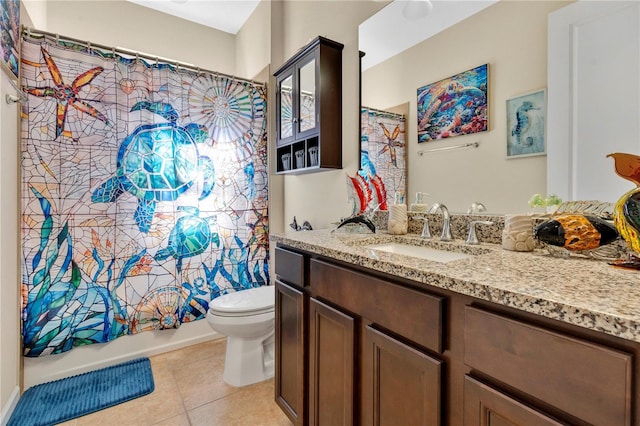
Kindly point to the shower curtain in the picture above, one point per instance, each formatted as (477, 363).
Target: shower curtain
(383, 158)
(144, 193)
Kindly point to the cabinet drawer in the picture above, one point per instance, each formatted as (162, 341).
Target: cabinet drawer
(412, 314)
(589, 381)
(484, 405)
(289, 266)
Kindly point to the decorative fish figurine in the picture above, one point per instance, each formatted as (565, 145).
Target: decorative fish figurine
(576, 232)
(626, 214)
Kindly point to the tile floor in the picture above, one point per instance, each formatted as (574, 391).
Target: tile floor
(189, 391)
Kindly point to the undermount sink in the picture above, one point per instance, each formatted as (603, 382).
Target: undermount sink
(422, 252)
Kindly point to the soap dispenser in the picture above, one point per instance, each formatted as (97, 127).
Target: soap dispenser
(398, 222)
(419, 205)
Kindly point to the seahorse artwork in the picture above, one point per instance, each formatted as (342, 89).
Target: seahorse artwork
(522, 122)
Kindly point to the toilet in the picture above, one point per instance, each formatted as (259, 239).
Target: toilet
(247, 318)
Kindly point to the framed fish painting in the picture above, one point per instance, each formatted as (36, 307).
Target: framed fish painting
(526, 124)
(454, 106)
(10, 35)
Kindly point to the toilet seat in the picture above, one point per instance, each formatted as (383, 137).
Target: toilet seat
(254, 301)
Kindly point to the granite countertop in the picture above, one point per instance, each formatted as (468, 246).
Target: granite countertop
(584, 292)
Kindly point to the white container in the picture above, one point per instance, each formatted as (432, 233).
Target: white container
(517, 234)
(299, 159)
(398, 222)
(313, 155)
(286, 161)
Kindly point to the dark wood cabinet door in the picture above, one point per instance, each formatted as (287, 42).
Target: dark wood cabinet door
(290, 374)
(401, 385)
(331, 365)
(486, 406)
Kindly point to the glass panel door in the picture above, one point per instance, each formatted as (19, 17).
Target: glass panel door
(286, 107)
(307, 96)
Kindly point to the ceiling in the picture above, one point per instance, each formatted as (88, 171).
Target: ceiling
(382, 36)
(223, 15)
(388, 32)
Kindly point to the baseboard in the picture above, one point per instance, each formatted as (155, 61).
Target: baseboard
(7, 409)
(86, 358)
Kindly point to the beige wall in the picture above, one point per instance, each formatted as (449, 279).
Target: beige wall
(253, 44)
(321, 198)
(9, 261)
(10, 275)
(118, 23)
(511, 36)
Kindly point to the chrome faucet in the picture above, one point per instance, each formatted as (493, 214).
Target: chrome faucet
(446, 224)
(472, 238)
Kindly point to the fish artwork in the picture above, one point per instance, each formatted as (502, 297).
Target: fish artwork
(576, 232)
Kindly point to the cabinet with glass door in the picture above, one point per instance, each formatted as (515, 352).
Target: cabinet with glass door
(309, 109)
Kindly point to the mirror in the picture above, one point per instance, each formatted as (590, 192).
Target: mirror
(286, 121)
(462, 35)
(307, 95)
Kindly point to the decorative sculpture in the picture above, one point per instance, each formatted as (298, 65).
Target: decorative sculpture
(626, 214)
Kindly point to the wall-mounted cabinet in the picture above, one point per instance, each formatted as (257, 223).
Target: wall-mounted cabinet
(309, 109)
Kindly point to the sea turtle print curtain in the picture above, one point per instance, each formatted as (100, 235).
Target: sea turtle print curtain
(144, 193)
(383, 158)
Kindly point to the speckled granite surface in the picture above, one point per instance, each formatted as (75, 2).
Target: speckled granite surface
(584, 292)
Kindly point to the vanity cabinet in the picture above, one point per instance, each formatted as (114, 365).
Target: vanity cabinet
(290, 335)
(366, 364)
(309, 109)
(290, 380)
(331, 365)
(401, 385)
(370, 348)
(486, 406)
(588, 381)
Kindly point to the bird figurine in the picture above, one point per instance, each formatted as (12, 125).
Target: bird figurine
(626, 214)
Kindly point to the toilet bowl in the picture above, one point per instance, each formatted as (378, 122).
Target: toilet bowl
(247, 318)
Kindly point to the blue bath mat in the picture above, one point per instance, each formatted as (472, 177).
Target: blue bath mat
(65, 399)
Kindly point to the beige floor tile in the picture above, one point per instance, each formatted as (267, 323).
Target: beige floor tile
(190, 391)
(252, 405)
(200, 381)
(198, 351)
(180, 420)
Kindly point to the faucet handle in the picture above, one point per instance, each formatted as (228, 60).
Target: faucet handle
(426, 233)
(476, 207)
(472, 238)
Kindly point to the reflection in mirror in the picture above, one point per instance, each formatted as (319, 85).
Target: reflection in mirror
(383, 155)
(307, 96)
(286, 119)
(486, 32)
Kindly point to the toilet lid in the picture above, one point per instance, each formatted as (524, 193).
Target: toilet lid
(253, 301)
